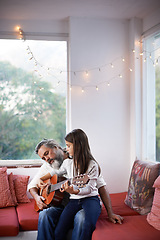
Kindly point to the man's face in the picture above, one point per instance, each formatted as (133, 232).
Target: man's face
(48, 154)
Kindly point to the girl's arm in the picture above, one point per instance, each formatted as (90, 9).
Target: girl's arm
(93, 172)
(91, 186)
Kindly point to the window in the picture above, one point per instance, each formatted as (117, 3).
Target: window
(33, 87)
(151, 97)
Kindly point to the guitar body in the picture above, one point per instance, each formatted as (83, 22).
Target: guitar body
(54, 197)
(51, 192)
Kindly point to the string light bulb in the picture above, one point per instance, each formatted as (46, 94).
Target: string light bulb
(87, 73)
(18, 28)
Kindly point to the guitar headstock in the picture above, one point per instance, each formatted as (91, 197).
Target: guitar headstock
(81, 180)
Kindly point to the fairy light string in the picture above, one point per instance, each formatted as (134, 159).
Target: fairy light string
(112, 65)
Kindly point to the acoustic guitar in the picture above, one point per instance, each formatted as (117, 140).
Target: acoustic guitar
(51, 192)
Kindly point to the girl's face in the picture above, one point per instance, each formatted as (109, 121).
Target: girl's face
(69, 147)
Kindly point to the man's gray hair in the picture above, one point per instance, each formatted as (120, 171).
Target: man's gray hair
(50, 143)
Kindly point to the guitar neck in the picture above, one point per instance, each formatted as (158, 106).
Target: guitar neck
(79, 181)
(57, 186)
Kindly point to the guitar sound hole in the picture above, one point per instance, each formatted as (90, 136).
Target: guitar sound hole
(49, 189)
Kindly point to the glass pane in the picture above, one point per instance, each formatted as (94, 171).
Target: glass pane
(157, 71)
(33, 87)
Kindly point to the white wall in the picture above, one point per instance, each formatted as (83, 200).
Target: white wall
(152, 21)
(103, 114)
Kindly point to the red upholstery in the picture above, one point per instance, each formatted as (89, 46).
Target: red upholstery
(118, 205)
(8, 222)
(133, 228)
(28, 217)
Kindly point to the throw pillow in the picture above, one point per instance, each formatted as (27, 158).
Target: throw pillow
(20, 186)
(5, 194)
(11, 187)
(153, 217)
(140, 190)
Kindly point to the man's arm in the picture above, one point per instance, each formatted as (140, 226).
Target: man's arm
(104, 194)
(33, 186)
(39, 199)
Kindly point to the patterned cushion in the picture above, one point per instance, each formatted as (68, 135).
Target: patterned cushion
(11, 187)
(5, 194)
(140, 190)
(20, 186)
(153, 217)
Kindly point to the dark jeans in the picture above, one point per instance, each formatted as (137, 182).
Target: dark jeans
(92, 209)
(47, 222)
(48, 219)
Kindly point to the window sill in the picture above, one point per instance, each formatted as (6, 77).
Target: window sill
(28, 163)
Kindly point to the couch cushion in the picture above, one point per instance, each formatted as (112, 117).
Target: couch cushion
(8, 222)
(27, 216)
(140, 190)
(5, 194)
(11, 187)
(133, 228)
(119, 206)
(20, 186)
(153, 217)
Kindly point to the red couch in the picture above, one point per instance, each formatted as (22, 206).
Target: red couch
(135, 226)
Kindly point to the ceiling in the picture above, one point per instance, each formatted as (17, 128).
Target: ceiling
(62, 9)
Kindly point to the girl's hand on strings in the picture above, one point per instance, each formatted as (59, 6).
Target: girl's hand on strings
(68, 188)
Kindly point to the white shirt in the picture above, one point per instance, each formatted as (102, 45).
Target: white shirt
(90, 189)
(45, 168)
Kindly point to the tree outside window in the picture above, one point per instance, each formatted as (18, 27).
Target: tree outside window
(33, 96)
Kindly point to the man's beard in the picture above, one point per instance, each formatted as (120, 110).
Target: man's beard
(57, 162)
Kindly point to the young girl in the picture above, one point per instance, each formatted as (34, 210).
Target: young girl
(86, 197)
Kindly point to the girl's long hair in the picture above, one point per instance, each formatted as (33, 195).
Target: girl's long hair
(82, 154)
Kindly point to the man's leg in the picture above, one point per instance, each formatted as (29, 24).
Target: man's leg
(47, 222)
(78, 223)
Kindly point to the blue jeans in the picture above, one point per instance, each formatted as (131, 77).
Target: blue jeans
(48, 219)
(47, 222)
(91, 206)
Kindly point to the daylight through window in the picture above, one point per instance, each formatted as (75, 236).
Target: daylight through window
(151, 90)
(33, 88)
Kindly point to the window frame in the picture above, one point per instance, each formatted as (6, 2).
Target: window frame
(148, 101)
(44, 37)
